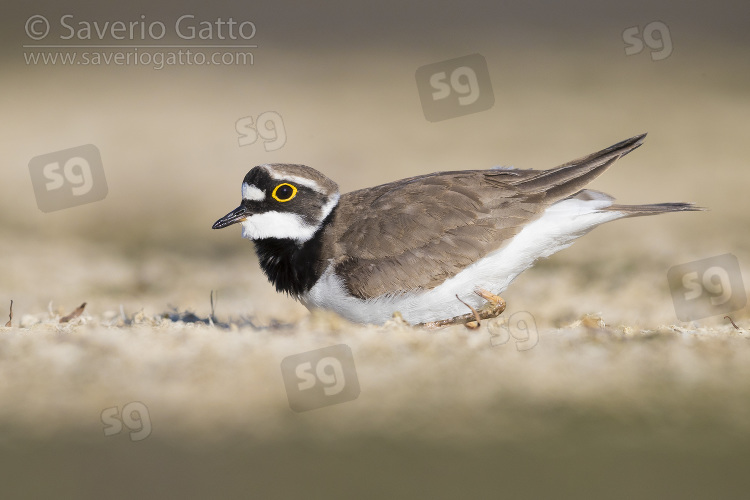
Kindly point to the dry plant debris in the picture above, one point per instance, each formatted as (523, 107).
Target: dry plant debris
(74, 314)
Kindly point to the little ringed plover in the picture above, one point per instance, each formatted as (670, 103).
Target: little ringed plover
(417, 245)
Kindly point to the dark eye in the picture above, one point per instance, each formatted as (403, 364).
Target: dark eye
(284, 192)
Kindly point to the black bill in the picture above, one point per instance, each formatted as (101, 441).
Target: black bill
(237, 215)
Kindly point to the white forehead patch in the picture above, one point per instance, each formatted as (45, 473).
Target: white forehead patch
(302, 181)
(250, 192)
(277, 225)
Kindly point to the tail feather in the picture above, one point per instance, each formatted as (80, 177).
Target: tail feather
(653, 209)
(634, 210)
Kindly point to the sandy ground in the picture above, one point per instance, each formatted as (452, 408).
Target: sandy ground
(616, 398)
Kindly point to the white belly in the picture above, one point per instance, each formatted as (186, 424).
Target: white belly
(558, 227)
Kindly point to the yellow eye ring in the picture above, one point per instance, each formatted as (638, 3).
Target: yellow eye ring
(282, 200)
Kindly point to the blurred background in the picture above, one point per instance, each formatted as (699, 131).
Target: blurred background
(335, 87)
(338, 84)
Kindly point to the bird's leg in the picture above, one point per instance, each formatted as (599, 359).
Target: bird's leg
(492, 309)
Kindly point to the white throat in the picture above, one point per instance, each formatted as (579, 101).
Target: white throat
(277, 225)
(285, 225)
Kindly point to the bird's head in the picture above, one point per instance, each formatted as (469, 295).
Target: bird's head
(283, 201)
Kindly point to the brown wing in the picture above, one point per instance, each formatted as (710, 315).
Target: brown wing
(416, 233)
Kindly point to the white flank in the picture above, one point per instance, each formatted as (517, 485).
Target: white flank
(302, 181)
(558, 227)
(277, 225)
(252, 193)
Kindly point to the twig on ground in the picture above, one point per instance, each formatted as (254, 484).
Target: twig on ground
(74, 314)
(212, 316)
(10, 317)
(733, 323)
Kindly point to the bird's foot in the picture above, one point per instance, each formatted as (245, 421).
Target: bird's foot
(492, 309)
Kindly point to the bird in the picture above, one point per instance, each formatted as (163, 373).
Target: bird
(424, 247)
